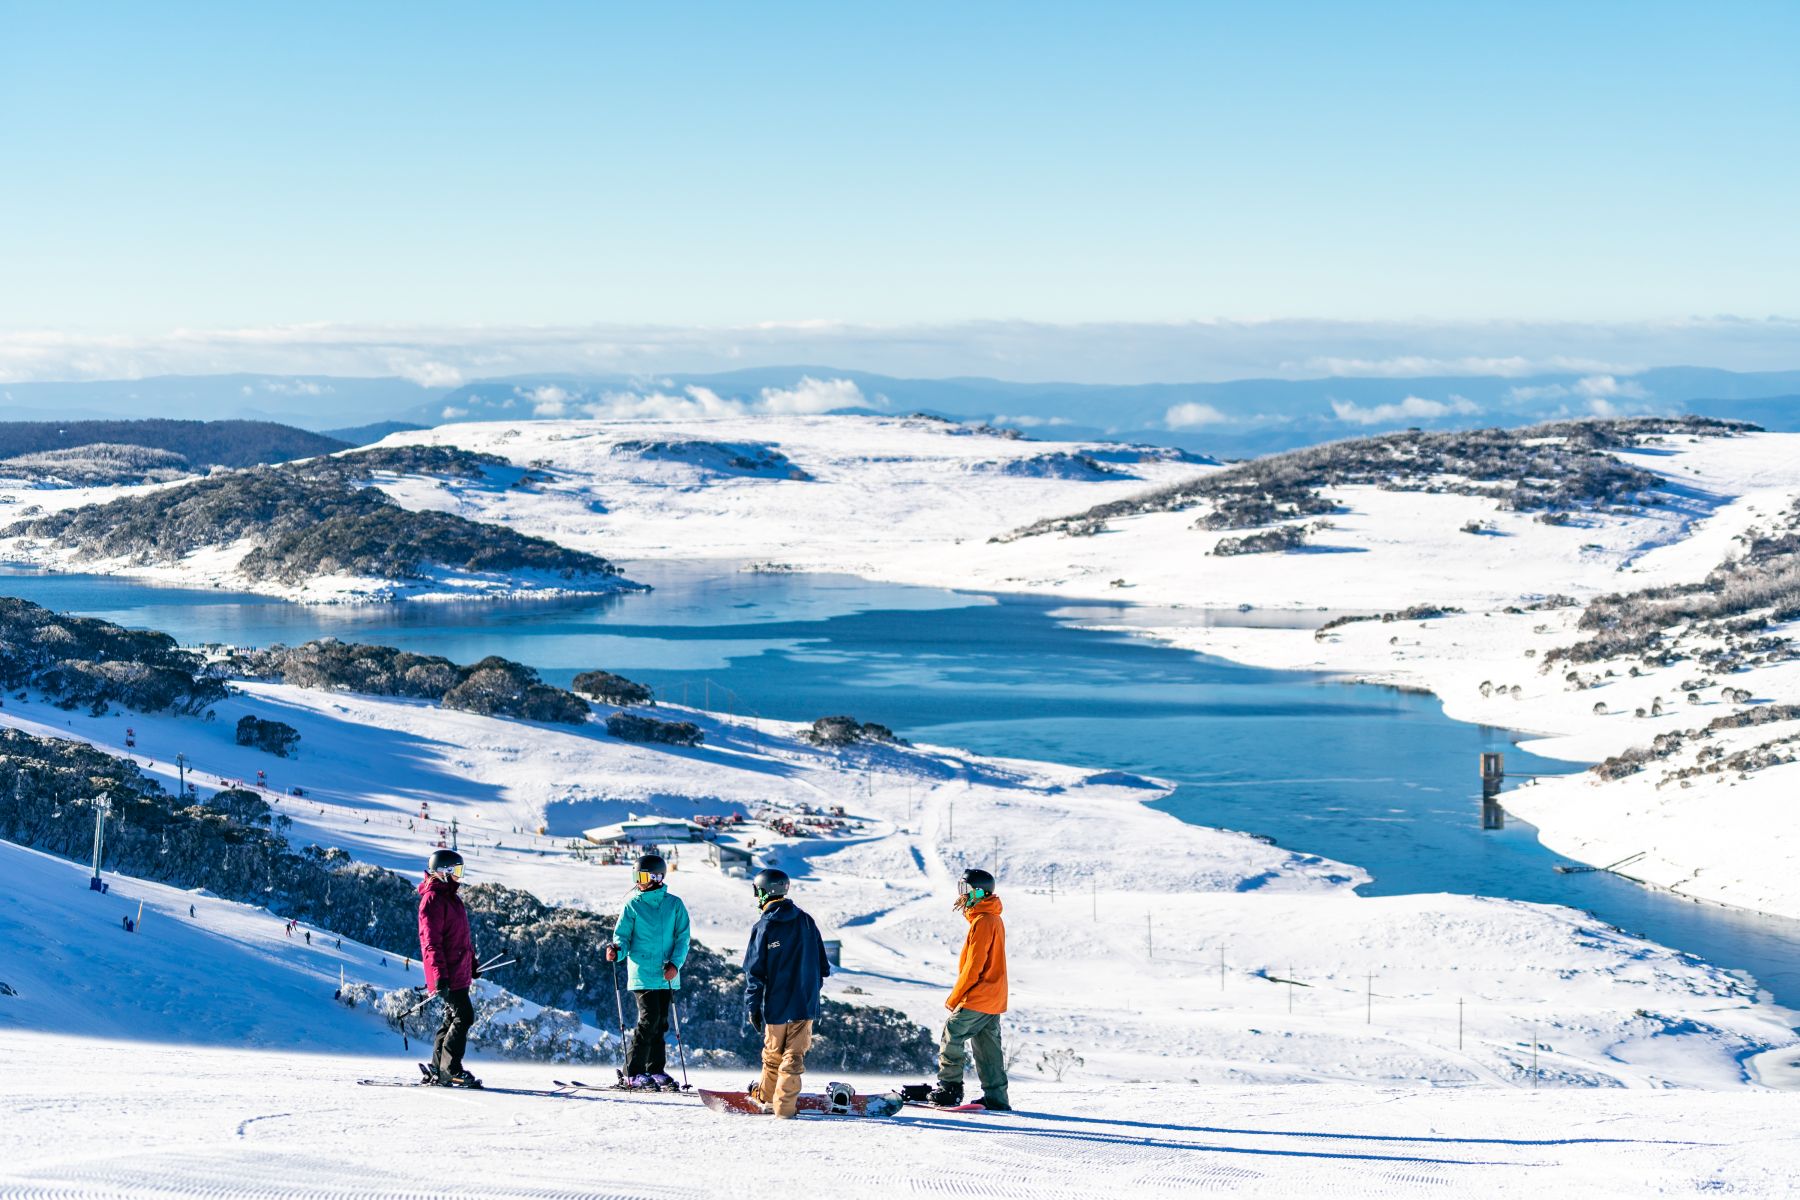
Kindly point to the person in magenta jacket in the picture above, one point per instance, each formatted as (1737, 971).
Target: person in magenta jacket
(447, 952)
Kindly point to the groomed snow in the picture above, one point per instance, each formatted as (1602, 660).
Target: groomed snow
(138, 1121)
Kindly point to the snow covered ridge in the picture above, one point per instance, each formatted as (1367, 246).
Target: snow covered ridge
(309, 531)
(1552, 469)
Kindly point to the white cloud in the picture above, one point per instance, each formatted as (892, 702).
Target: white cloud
(1026, 421)
(296, 387)
(1413, 408)
(1193, 415)
(667, 403)
(427, 373)
(813, 396)
(546, 401)
(1591, 387)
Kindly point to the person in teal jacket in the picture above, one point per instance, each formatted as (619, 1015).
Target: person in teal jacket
(652, 936)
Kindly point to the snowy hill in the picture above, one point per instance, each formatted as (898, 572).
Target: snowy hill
(228, 976)
(1087, 905)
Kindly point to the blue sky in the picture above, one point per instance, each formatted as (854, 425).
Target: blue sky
(233, 167)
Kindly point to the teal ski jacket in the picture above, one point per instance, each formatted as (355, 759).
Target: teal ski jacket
(652, 930)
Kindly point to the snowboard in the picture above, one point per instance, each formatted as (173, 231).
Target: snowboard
(810, 1103)
(970, 1107)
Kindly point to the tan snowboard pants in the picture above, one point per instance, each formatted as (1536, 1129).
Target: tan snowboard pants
(783, 1062)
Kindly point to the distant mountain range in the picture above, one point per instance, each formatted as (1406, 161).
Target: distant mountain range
(1237, 418)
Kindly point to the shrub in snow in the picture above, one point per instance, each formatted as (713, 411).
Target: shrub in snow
(1418, 612)
(493, 687)
(1271, 541)
(303, 527)
(844, 731)
(445, 462)
(1600, 708)
(725, 458)
(501, 688)
(1055, 465)
(81, 662)
(101, 464)
(502, 1027)
(629, 727)
(608, 688)
(1057, 1063)
(277, 737)
(1558, 466)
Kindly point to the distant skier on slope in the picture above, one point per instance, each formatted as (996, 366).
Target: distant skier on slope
(977, 1000)
(652, 935)
(448, 953)
(784, 968)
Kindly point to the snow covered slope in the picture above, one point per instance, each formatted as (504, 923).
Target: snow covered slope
(1147, 948)
(229, 975)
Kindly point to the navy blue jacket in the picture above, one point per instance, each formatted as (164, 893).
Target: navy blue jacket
(784, 966)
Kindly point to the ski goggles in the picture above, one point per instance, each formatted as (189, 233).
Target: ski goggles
(648, 877)
(966, 892)
(449, 872)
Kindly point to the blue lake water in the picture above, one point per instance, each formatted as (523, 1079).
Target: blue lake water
(1363, 774)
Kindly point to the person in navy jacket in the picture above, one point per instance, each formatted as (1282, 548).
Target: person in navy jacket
(784, 968)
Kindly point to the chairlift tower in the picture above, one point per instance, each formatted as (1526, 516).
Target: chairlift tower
(101, 806)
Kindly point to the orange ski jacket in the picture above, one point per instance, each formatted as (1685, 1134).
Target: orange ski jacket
(981, 971)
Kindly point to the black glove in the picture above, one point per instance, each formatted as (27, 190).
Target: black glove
(477, 971)
(756, 1022)
(612, 954)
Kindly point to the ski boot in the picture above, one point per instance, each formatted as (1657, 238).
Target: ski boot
(946, 1095)
(993, 1105)
(665, 1082)
(461, 1079)
(639, 1083)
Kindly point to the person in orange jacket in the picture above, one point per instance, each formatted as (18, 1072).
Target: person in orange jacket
(977, 1000)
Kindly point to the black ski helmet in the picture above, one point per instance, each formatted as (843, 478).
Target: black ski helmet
(977, 878)
(770, 883)
(653, 863)
(443, 860)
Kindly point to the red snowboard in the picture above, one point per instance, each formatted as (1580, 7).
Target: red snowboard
(741, 1104)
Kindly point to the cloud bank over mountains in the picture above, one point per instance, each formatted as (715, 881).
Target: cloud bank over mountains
(1114, 353)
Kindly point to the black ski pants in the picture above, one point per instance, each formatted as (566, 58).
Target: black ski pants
(646, 1053)
(453, 1034)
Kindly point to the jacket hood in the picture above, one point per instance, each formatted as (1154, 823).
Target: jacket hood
(432, 885)
(782, 912)
(987, 904)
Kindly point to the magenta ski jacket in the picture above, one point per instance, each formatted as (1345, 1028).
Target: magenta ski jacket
(445, 947)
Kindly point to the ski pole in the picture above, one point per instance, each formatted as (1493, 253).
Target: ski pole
(679, 1049)
(495, 966)
(495, 962)
(619, 1003)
